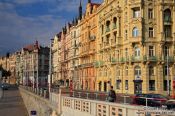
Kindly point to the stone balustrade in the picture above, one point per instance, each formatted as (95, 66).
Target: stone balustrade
(60, 104)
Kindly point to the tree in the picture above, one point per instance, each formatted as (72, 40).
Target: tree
(5, 73)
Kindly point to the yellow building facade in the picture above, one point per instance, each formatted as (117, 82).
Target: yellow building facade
(87, 54)
(135, 46)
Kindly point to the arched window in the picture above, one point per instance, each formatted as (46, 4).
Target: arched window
(114, 22)
(167, 15)
(137, 71)
(135, 32)
(107, 26)
(137, 52)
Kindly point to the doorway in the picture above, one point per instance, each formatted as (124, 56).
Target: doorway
(137, 87)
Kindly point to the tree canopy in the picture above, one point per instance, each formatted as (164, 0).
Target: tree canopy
(5, 73)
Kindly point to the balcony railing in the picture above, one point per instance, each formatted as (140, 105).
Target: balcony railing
(136, 58)
(113, 61)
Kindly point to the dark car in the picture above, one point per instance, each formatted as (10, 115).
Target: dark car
(4, 86)
(154, 100)
(170, 104)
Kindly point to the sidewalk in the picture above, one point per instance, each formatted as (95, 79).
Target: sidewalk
(12, 103)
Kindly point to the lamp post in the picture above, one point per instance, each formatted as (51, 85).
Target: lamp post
(50, 66)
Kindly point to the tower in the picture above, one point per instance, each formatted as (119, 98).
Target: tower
(89, 1)
(80, 11)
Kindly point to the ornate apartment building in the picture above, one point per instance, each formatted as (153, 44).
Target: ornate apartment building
(88, 47)
(136, 45)
(35, 65)
(56, 59)
(8, 63)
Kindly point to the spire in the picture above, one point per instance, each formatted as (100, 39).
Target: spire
(89, 1)
(80, 11)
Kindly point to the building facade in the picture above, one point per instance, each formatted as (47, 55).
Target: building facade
(35, 65)
(136, 46)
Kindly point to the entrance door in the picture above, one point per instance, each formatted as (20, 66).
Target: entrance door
(137, 87)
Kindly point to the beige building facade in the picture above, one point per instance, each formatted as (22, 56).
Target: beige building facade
(136, 46)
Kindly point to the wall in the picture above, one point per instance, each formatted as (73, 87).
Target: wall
(42, 106)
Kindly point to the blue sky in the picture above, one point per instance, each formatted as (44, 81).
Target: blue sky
(24, 21)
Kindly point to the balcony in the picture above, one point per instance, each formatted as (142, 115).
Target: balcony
(169, 59)
(113, 61)
(98, 63)
(136, 59)
(122, 60)
(150, 58)
(136, 39)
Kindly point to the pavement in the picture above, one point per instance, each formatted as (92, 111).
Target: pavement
(12, 104)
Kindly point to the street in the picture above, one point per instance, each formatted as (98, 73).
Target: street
(12, 104)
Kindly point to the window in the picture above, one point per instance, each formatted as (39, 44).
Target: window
(165, 85)
(114, 22)
(126, 71)
(126, 17)
(136, 12)
(107, 26)
(167, 15)
(151, 70)
(152, 85)
(166, 70)
(137, 71)
(151, 51)
(126, 84)
(167, 31)
(135, 32)
(151, 33)
(137, 52)
(126, 34)
(166, 51)
(126, 52)
(150, 13)
(118, 84)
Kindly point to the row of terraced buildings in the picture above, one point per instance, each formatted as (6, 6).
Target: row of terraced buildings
(129, 44)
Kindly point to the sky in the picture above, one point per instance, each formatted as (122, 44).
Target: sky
(23, 22)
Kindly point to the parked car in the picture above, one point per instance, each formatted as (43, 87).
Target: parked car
(170, 104)
(4, 86)
(154, 100)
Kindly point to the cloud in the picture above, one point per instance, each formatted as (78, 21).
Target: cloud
(17, 30)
